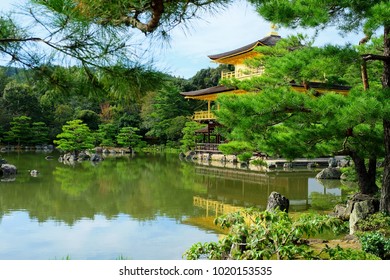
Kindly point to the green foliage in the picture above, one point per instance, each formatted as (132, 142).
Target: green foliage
(146, 16)
(346, 15)
(189, 138)
(374, 234)
(165, 112)
(328, 64)
(9, 29)
(209, 77)
(107, 134)
(349, 173)
(376, 243)
(90, 118)
(40, 133)
(259, 162)
(235, 148)
(367, 17)
(245, 156)
(281, 122)
(321, 201)
(20, 131)
(128, 137)
(264, 235)
(377, 222)
(174, 130)
(338, 253)
(19, 99)
(75, 137)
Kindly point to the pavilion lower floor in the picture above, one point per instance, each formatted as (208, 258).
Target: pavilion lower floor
(207, 139)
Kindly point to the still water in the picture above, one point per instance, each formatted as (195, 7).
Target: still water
(142, 207)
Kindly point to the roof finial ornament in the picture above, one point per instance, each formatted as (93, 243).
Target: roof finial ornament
(274, 30)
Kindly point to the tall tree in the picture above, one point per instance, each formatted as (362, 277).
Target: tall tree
(20, 99)
(283, 122)
(348, 16)
(20, 132)
(291, 124)
(40, 133)
(165, 112)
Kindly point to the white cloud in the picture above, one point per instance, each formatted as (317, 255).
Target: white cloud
(226, 30)
(235, 27)
(232, 28)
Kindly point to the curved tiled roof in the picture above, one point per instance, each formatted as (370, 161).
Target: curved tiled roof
(221, 89)
(210, 90)
(270, 40)
(319, 85)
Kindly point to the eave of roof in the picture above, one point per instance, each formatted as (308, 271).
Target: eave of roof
(319, 85)
(210, 90)
(203, 130)
(270, 40)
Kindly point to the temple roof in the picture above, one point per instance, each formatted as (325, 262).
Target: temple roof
(270, 40)
(322, 86)
(221, 89)
(210, 90)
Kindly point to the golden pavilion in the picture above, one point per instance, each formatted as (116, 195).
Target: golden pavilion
(241, 71)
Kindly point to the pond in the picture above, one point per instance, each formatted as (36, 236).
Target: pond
(150, 206)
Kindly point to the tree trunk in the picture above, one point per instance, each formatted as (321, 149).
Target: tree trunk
(385, 194)
(366, 177)
(366, 85)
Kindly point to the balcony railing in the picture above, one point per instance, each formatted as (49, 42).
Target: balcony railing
(244, 74)
(207, 147)
(204, 115)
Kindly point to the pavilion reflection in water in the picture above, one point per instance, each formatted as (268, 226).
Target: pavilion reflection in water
(230, 190)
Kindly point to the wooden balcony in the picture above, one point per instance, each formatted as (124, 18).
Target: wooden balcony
(207, 147)
(203, 116)
(241, 75)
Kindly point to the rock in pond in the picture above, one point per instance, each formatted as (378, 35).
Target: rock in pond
(276, 200)
(8, 169)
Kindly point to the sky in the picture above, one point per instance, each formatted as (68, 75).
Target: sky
(234, 27)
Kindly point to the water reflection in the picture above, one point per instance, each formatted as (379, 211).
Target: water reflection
(143, 207)
(230, 189)
(142, 188)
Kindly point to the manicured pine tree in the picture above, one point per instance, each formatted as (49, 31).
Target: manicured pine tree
(128, 137)
(348, 16)
(75, 137)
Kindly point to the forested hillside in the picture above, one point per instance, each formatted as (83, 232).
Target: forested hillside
(36, 103)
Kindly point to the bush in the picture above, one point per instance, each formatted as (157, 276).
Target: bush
(376, 243)
(255, 235)
(259, 162)
(339, 253)
(245, 157)
(379, 222)
(235, 148)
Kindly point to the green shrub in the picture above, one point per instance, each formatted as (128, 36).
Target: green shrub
(376, 243)
(259, 162)
(350, 173)
(255, 235)
(379, 222)
(245, 157)
(339, 253)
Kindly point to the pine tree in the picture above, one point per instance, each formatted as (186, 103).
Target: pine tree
(349, 16)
